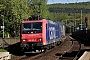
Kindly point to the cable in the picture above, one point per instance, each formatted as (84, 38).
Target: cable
(30, 1)
(69, 1)
(53, 1)
(76, 1)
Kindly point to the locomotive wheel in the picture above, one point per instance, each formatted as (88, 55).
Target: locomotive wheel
(48, 47)
(58, 43)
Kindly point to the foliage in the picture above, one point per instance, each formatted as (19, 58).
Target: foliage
(39, 7)
(14, 11)
(62, 12)
(71, 5)
(69, 10)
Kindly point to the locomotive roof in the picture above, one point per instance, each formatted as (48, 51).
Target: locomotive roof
(50, 21)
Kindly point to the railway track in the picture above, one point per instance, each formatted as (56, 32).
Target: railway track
(69, 49)
(52, 54)
(73, 52)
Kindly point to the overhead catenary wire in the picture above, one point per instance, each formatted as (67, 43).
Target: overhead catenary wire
(53, 1)
(69, 1)
(29, 2)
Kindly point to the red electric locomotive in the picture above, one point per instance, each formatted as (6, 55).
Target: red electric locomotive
(39, 34)
(33, 34)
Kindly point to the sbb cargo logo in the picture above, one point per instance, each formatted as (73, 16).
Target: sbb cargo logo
(52, 32)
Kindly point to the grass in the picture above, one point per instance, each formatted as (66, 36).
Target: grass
(12, 56)
(3, 50)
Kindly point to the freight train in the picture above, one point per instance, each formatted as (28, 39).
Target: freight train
(40, 34)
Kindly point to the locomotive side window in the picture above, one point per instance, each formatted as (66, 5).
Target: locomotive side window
(35, 27)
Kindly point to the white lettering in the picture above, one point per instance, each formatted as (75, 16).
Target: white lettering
(52, 32)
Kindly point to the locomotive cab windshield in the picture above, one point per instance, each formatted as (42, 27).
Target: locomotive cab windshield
(30, 28)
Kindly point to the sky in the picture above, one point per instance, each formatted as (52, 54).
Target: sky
(65, 1)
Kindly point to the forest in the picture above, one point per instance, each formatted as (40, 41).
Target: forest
(14, 11)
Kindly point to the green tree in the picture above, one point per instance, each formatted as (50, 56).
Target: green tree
(14, 11)
(39, 7)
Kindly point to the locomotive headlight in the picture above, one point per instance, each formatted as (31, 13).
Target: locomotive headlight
(24, 40)
(40, 39)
